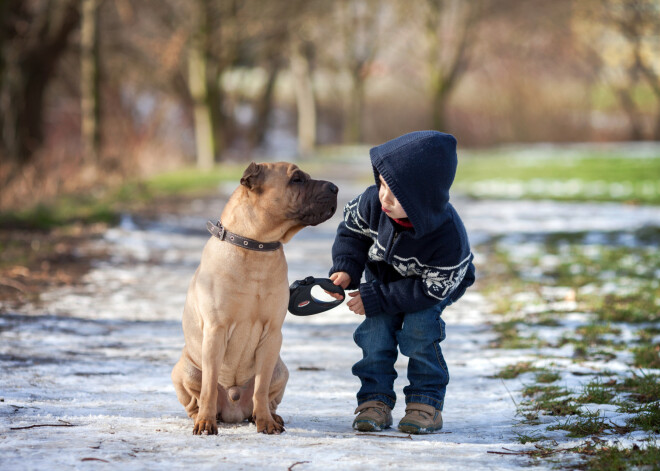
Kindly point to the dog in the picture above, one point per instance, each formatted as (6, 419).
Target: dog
(230, 369)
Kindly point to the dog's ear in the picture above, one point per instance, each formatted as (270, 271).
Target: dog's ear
(252, 177)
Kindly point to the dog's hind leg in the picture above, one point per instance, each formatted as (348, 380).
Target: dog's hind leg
(187, 379)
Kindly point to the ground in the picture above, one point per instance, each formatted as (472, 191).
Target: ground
(86, 370)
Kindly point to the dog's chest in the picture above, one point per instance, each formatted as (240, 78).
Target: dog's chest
(238, 366)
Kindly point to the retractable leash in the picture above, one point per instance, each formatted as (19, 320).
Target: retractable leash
(301, 301)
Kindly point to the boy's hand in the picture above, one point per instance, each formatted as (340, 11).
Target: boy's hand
(355, 304)
(342, 279)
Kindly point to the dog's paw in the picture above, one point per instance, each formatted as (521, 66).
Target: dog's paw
(278, 419)
(270, 425)
(205, 427)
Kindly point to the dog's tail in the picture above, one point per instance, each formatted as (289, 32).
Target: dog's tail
(234, 393)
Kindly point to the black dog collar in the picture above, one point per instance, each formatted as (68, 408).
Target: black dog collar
(221, 233)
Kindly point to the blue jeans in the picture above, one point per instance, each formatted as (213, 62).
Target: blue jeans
(418, 336)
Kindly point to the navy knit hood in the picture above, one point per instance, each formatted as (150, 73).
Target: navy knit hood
(419, 168)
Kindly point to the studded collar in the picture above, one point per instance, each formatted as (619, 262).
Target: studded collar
(219, 231)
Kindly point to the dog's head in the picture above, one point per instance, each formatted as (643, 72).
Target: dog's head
(291, 193)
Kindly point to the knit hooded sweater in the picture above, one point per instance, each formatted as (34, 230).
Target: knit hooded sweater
(407, 269)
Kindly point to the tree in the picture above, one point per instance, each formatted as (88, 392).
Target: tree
(625, 36)
(450, 32)
(90, 95)
(360, 25)
(33, 37)
(301, 70)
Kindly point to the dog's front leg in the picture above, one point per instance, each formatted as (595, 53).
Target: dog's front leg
(214, 345)
(266, 358)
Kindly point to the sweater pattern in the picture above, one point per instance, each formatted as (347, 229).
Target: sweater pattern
(439, 281)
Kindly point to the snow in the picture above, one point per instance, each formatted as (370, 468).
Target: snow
(86, 372)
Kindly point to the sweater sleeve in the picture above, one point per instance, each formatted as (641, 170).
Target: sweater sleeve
(415, 293)
(352, 242)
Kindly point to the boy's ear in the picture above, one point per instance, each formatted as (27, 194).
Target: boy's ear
(252, 177)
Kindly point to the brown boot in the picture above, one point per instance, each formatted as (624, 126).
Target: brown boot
(373, 416)
(421, 418)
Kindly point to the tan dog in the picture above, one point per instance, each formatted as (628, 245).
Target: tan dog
(230, 368)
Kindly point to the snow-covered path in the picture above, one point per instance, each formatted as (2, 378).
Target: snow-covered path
(85, 376)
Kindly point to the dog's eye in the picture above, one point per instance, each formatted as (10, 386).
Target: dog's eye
(297, 179)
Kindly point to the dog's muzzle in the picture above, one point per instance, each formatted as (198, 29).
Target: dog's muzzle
(323, 204)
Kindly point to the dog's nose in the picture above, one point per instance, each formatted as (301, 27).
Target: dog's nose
(333, 188)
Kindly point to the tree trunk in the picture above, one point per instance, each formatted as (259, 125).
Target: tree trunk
(264, 105)
(203, 114)
(306, 105)
(629, 107)
(447, 62)
(440, 97)
(28, 68)
(90, 81)
(354, 130)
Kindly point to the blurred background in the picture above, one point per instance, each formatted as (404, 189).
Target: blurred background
(94, 93)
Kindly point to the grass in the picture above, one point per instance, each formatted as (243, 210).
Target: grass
(622, 459)
(597, 392)
(639, 306)
(509, 337)
(106, 207)
(643, 388)
(192, 180)
(648, 418)
(569, 173)
(545, 377)
(551, 400)
(531, 438)
(66, 210)
(611, 292)
(647, 356)
(513, 371)
(590, 424)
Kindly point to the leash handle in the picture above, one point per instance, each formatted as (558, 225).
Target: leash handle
(303, 303)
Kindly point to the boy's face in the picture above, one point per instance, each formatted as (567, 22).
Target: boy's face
(388, 201)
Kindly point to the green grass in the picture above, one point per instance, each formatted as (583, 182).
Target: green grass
(610, 290)
(622, 459)
(647, 356)
(509, 337)
(65, 210)
(534, 437)
(590, 424)
(561, 174)
(551, 400)
(597, 392)
(642, 388)
(105, 208)
(192, 180)
(647, 418)
(513, 371)
(547, 377)
(636, 307)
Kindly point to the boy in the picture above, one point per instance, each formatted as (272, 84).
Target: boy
(417, 257)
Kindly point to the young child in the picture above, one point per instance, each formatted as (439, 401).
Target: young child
(412, 246)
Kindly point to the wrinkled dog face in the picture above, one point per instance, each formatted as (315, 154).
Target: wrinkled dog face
(301, 199)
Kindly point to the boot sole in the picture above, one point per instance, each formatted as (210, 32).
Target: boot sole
(417, 430)
(369, 426)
